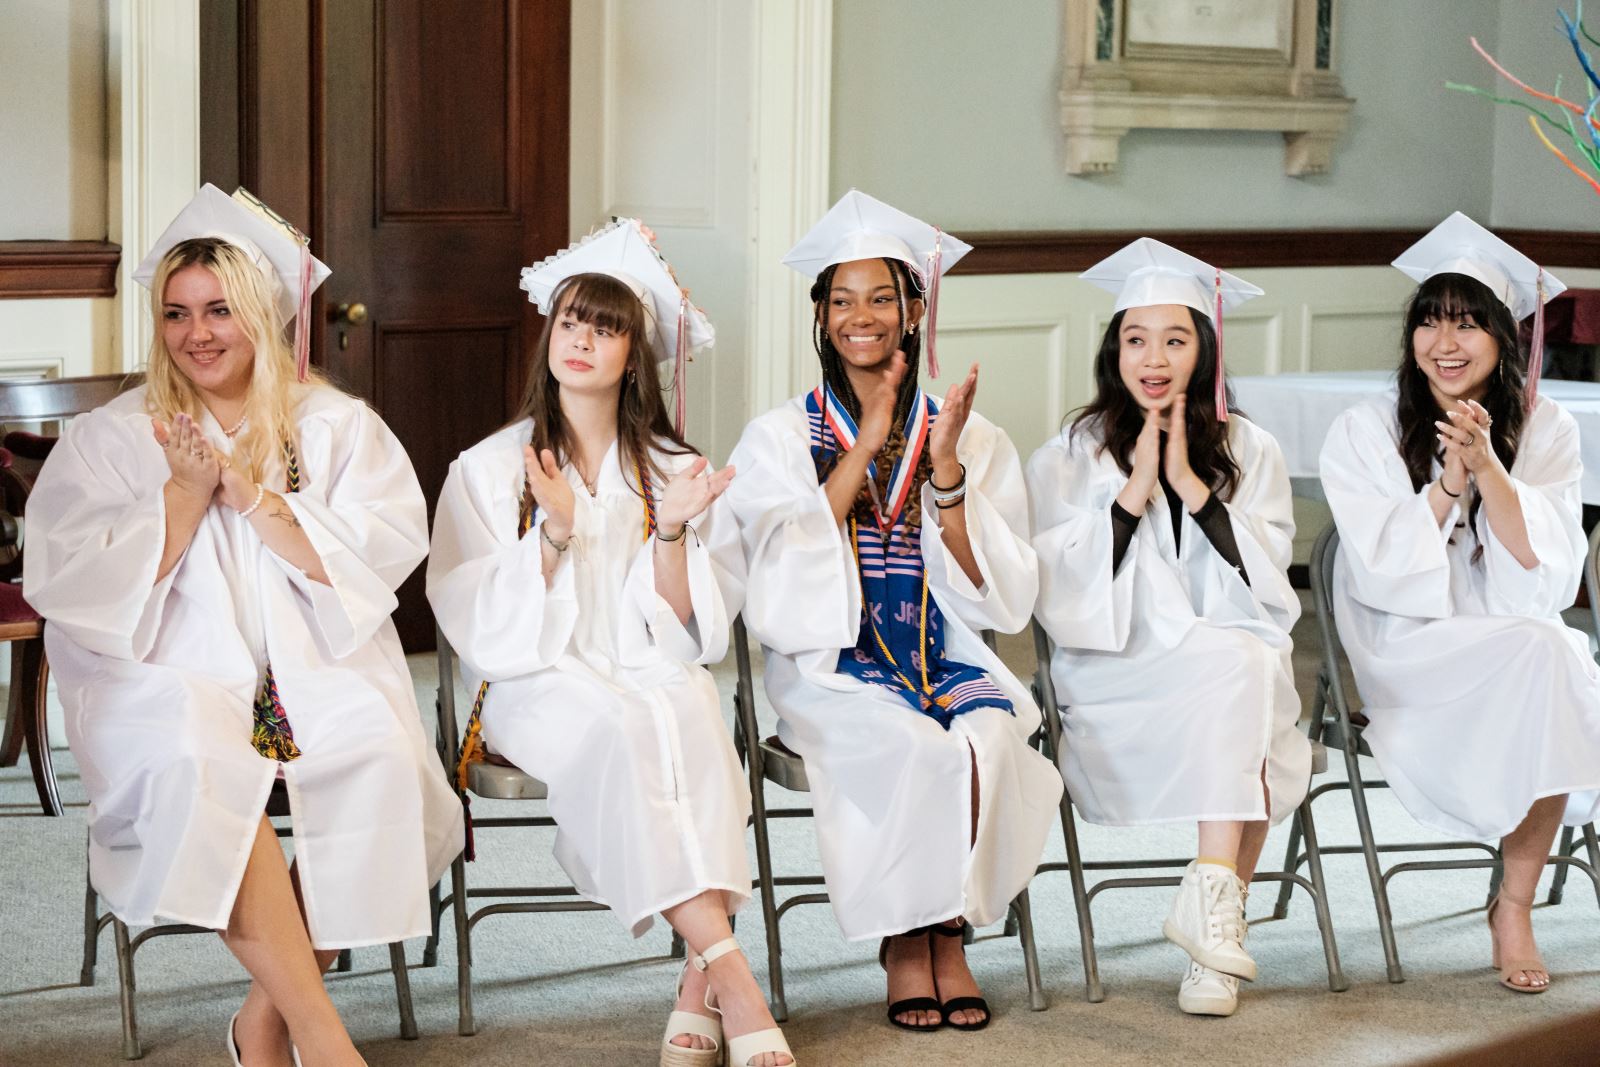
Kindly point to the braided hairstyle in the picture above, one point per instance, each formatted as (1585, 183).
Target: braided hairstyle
(834, 377)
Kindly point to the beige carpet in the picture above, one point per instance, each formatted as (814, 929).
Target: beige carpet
(577, 990)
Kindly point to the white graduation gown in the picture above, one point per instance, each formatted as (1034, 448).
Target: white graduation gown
(1174, 674)
(890, 787)
(595, 687)
(158, 679)
(1481, 700)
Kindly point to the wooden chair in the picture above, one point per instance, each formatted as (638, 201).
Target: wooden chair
(37, 402)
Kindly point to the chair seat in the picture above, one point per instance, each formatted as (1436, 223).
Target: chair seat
(1319, 757)
(15, 610)
(494, 781)
(784, 767)
(1333, 735)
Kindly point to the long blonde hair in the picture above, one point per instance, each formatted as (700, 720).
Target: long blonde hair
(272, 393)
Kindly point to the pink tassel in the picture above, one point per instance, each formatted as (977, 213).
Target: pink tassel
(934, 263)
(680, 368)
(1222, 389)
(302, 319)
(1536, 347)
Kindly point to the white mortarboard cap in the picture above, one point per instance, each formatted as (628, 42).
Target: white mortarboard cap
(625, 250)
(275, 246)
(1460, 246)
(861, 227)
(1148, 272)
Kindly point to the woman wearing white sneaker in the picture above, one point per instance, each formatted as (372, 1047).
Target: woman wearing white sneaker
(1460, 542)
(1163, 527)
(584, 568)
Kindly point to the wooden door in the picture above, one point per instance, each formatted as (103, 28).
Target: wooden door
(425, 143)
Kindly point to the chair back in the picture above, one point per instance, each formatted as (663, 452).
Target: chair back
(746, 733)
(1330, 679)
(39, 400)
(449, 740)
(1591, 581)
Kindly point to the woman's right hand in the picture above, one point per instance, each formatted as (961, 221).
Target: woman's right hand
(195, 466)
(877, 408)
(1146, 466)
(551, 492)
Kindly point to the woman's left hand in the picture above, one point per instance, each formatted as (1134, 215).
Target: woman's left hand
(952, 420)
(1175, 464)
(1465, 434)
(689, 493)
(233, 488)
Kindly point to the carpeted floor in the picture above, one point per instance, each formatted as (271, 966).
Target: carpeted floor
(575, 989)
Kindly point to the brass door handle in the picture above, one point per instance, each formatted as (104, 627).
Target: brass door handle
(352, 314)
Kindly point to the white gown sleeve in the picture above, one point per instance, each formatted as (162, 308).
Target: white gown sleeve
(716, 583)
(96, 527)
(802, 593)
(486, 583)
(1546, 475)
(997, 526)
(1261, 512)
(1393, 546)
(1082, 604)
(363, 511)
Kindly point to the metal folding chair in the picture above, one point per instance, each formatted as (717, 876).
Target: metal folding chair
(1333, 723)
(94, 922)
(492, 781)
(1076, 867)
(1570, 846)
(768, 761)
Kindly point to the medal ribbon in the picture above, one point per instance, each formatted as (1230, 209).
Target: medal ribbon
(843, 428)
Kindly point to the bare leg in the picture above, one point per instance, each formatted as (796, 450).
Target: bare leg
(268, 936)
(1238, 843)
(950, 971)
(1525, 850)
(703, 921)
(261, 1028)
(1252, 838)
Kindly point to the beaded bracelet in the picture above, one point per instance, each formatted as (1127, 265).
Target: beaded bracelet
(545, 537)
(261, 494)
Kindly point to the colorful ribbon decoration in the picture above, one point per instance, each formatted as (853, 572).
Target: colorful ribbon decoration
(843, 428)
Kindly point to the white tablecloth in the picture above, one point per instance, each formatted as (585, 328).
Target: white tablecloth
(1298, 409)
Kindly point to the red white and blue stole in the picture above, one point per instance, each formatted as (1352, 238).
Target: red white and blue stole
(825, 405)
(900, 644)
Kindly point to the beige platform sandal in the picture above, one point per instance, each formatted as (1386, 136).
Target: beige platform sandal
(1508, 968)
(745, 1047)
(688, 1022)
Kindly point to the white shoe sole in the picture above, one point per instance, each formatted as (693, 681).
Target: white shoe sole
(1198, 1005)
(1241, 968)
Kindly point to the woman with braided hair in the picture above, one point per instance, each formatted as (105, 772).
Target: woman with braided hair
(216, 554)
(584, 567)
(883, 531)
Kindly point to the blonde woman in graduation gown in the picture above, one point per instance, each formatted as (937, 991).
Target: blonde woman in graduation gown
(1460, 542)
(931, 807)
(1164, 536)
(216, 555)
(584, 567)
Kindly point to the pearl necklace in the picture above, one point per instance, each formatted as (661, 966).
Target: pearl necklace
(236, 427)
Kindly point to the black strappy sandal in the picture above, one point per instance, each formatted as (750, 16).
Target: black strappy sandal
(900, 1007)
(955, 1004)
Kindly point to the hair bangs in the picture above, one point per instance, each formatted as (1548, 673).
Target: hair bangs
(601, 301)
(1452, 296)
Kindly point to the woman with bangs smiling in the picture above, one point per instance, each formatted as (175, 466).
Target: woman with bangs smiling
(1460, 543)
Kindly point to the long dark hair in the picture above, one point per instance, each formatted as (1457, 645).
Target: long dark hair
(1457, 296)
(906, 290)
(1116, 417)
(606, 303)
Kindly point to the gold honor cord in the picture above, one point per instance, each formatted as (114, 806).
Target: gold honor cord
(270, 732)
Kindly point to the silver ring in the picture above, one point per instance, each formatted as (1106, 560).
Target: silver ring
(1472, 438)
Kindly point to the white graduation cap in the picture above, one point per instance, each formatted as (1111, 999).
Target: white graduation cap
(281, 252)
(1460, 246)
(863, 227)
(1148, 272)
(625, 250)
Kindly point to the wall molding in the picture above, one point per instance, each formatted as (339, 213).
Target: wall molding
(1060, 251)
(32, 270)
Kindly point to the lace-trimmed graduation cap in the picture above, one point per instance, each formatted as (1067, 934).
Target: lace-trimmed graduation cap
(281, 252)
(625, 249)
(861, 227)
(1460, 246)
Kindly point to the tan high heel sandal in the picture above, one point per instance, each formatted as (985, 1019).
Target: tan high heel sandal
(1508, 968)
(688, 1022)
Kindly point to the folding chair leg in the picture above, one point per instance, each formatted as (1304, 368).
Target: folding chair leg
(343, 964)
(131, 1049)
(1558, 880)
(679, 949)
(91, 934)
(402, 990)
(1291, 861)
(465, 1026)
(1080, 900)
(1369, 851)
(430, 948)
(1022, 912)
(1592, 844)
(1330, 949)
(769, 906)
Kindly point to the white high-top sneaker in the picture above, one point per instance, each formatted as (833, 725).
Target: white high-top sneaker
(1207, 920)
(1207, 992)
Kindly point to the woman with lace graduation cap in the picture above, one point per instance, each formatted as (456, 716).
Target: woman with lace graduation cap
(1164, 531)
(1460, 542)
(585, 569)
(883, 531)
(216, 553)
